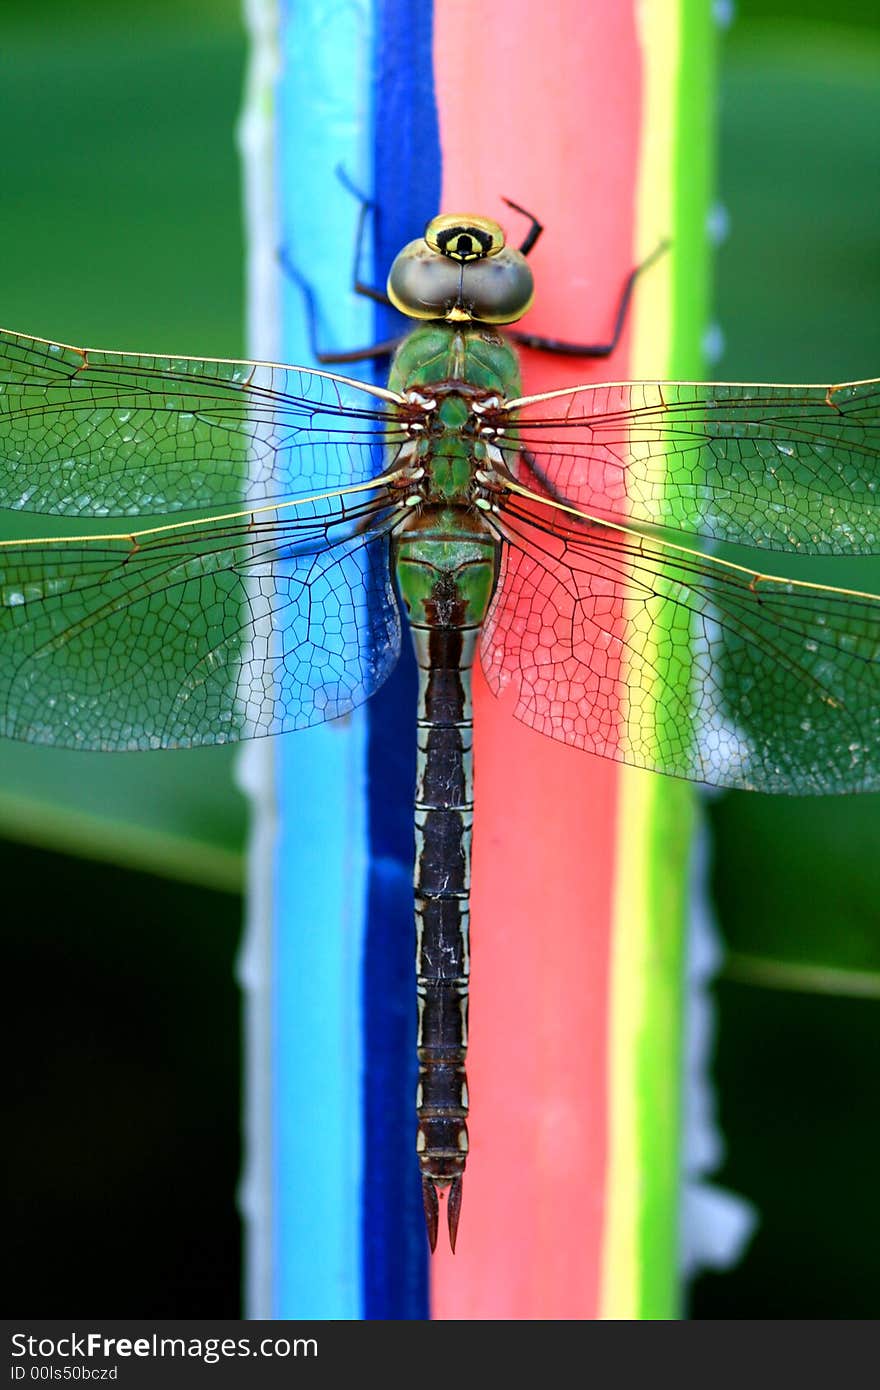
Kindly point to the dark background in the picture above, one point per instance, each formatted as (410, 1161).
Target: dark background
(120, 225)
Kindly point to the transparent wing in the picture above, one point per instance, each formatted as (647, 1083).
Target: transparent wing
(657, 656)
(197, 634)
(783, 467)
(91, 433)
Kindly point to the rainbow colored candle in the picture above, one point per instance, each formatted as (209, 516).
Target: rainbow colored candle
(598, 119)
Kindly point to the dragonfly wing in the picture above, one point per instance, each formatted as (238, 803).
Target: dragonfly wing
(192, 635)
(782, 467)
(675, 661)
(91, 433)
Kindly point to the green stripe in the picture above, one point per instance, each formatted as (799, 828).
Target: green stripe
(673, 814)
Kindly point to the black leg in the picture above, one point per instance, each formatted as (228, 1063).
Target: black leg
(536, 340)
(328, 359)
(367, 206)
(553, 493)
(534, 231)
(541, 478)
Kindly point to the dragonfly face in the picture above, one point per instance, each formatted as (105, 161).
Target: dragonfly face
(571, 539)
(461, 271)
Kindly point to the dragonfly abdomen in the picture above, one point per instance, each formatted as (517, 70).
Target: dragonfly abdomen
(446, 569)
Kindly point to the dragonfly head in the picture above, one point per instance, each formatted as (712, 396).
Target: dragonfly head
(461, 270)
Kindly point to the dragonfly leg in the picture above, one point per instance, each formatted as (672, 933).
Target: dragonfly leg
(367, 206)
(383, 349)
(359, 286)
(540, 477)
(534, 231)
(536, 340)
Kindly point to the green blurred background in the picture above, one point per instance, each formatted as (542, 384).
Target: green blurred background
(797, 881)
(121, 227)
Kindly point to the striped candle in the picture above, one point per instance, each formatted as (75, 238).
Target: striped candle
(579, 112)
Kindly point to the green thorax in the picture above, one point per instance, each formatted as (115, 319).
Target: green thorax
(443, 352)
(445, 555)
(472, 356)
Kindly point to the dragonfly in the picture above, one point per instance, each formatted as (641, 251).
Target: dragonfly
(627, 558)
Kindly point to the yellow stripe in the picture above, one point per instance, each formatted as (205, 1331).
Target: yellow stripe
(621, 1279)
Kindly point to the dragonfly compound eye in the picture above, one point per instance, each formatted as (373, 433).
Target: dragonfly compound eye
(461, 271)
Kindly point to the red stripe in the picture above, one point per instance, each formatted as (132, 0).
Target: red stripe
(540, 103)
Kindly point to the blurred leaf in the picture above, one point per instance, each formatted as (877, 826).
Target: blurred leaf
(797, 882)
(804, 979)
(121, 226)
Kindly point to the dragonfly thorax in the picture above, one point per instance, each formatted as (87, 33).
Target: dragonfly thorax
(462, 271)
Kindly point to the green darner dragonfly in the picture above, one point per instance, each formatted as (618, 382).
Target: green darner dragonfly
(597, 542)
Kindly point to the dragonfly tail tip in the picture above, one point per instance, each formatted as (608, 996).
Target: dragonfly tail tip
(431, 1204)
(453, 1210)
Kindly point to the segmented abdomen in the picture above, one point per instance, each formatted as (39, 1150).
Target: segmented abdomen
(446, 571)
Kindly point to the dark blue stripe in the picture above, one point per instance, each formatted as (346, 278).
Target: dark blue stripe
(406, 161)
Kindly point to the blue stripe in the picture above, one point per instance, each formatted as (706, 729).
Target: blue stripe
(406, 163)
(320, 874)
